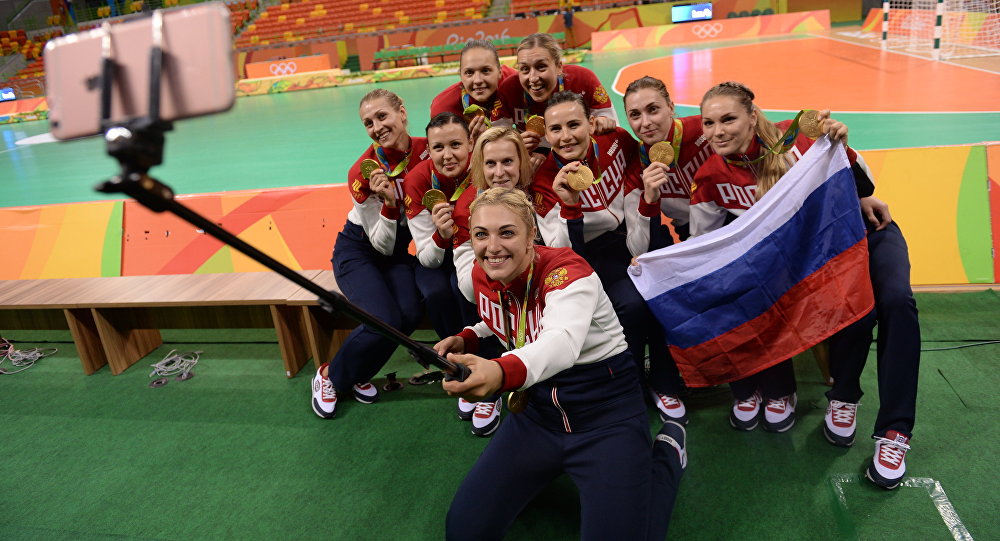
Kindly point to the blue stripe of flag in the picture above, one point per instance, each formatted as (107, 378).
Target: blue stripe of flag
(828, 223)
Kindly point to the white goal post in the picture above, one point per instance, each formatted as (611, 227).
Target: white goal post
(942, 28)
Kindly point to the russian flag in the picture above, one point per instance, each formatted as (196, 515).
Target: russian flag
(787, 274)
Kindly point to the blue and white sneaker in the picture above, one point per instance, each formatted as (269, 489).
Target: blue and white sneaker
(670, 407)
(745, 413)
(324, 396)
(486, 417)
(888, 466)
(673, 434)
(366, 393)
(465, 409)
(841, 423)
(779, 414)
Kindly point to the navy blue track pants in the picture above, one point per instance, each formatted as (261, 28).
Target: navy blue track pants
(385, 287)
(898, 345)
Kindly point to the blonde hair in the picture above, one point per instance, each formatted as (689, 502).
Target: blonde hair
(773, 166)
(380, 93)
(515, 200)
(493, 135)
(545, 41)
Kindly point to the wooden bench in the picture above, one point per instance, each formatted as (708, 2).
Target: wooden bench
(117, 320)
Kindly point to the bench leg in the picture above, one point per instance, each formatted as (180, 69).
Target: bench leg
(86, 339)
(123, 343)
(324, 339)
(291, 337)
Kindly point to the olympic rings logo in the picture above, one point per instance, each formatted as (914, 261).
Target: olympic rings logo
(283, 68)
(707, 30)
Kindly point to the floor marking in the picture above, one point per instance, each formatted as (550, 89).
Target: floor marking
(934, 489)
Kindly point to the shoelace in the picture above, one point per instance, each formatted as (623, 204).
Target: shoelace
(777, 403)
(843, 412)
(751, 402)
(484, 409)
(329, 393)
(891, 451)
(669, 401)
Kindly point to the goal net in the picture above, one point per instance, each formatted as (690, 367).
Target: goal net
(942, 28)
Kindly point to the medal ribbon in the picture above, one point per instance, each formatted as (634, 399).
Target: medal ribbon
(467, 101)
(584, 161)
(781, 146)
(675, 142)
(384, 161)
(521, 338)
(436, 184)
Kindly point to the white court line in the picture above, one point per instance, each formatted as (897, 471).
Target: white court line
(906, 54)
(934, 489)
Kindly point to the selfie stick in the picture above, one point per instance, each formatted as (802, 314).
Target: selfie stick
(137, 144)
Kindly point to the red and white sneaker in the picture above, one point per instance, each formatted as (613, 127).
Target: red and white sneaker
(779, 414)
(366, 393)
(670, 407)
(486, 417)
(889, 463)
(465, 409)
(745, 413)
(324, 396)
(841, 423)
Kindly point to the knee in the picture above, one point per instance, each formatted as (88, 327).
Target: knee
(894, 298)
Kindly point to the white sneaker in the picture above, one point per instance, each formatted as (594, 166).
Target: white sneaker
(745, 413)
(366, 393)
(673, 434)
(465, 409)
(779, 415)
(670, 407)
(841, 423)
(888, 466)
(486, 417)
(324, 396)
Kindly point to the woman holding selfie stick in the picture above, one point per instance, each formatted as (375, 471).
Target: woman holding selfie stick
(370, 259)
(579, 408)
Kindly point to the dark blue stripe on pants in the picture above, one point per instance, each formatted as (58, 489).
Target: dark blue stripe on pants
(382, 285)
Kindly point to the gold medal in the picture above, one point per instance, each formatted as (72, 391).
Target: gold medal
(367, 166)
(582, 179)
(517, 401)
(471, 112)
(809, 124)
(433, 197)
(535, 124)
(662, 152)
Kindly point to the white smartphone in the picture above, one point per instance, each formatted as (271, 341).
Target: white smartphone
(197, 77)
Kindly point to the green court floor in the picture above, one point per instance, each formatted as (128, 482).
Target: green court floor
(237, 453)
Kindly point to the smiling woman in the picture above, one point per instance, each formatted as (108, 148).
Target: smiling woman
(370, 259)
(578, 408)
